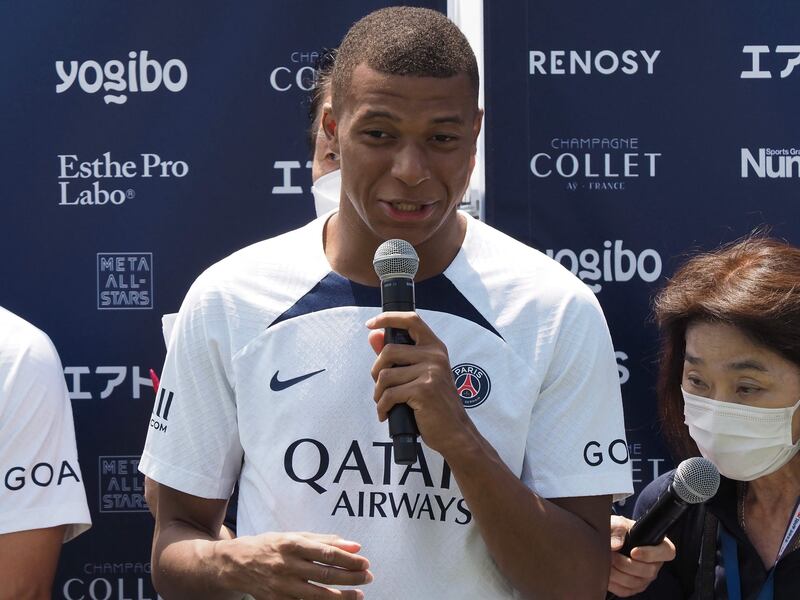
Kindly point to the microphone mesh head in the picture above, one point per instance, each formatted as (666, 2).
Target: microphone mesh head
(696, 480)
(395, 258)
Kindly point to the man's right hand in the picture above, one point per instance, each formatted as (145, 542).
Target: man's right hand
(278, 566)
(631, 575)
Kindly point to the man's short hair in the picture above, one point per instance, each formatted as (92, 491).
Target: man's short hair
(403, 40)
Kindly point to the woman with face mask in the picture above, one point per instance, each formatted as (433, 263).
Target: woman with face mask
(729, 390)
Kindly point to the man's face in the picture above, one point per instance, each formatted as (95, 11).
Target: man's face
(407, 148)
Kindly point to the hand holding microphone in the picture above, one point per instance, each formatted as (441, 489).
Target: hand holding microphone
(696, 480)
(396, 262)
(634, 574)
(414, 384)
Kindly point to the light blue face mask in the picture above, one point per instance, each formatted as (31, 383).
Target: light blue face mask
(744, 442)
(326, 192)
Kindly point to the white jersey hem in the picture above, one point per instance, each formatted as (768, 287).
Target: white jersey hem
(618, 484)
(185, 481)
(75, 516)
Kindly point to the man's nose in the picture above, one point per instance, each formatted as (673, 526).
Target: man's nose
(411, 165)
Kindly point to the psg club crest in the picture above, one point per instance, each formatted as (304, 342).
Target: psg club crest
(472, 384)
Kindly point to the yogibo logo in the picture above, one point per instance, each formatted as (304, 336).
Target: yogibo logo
(140, 74)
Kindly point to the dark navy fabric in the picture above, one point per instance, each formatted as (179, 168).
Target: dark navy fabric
(676, 578)
(334, 291)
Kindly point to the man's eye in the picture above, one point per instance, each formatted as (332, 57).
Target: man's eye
(376, 133)
(444, 138)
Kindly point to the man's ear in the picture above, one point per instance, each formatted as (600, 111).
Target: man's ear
(329, 127)
(476, 129)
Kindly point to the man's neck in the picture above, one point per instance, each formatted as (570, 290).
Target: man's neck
(350, 248)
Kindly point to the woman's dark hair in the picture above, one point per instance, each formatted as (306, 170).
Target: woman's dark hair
(752, 284)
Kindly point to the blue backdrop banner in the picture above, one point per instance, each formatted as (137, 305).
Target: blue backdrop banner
(622, 136)
(145, 141)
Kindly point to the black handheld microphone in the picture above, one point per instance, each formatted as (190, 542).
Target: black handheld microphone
(696, 480)
(396, 262)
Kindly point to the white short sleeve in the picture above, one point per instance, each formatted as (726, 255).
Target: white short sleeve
(576, 444)
(193, 441)
(42, 483)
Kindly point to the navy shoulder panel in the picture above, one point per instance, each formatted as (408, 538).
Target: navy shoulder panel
(334, 291)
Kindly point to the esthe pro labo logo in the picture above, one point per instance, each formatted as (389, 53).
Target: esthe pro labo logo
(140, 74)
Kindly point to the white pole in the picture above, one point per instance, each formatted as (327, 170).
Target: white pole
(468, 16)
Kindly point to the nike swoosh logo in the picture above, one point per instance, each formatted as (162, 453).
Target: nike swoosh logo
(276, 385)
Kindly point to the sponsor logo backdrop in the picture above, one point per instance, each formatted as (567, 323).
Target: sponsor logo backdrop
(622, 136)
(143, 142)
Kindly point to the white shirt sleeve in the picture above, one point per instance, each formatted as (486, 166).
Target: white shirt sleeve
(193, 440)
(42, 483)
(576, 445)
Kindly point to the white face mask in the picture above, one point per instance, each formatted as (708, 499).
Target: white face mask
(744, 442)
(326, 192)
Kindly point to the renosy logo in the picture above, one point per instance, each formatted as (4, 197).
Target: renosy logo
(587, 62)
(141, 74)
(124, 280)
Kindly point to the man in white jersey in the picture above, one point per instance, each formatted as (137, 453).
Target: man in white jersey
(42, 500)
(271, 377)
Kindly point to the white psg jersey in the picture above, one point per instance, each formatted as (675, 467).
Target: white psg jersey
(42, 482)
(267, 380)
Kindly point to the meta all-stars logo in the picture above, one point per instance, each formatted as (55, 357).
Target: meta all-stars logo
(121, 484)
(124, 280)
(140, 74)
(472, 384)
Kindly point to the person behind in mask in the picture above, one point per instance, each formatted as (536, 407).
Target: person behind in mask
(729, 389)
(324, 161)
